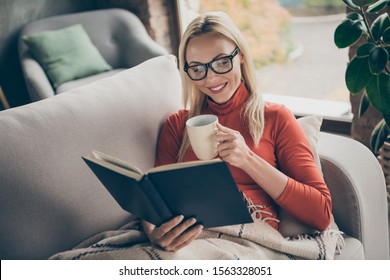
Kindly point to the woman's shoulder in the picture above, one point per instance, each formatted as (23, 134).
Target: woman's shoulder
(178, 118)
(276, 111)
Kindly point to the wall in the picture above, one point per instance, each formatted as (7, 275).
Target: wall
(14, 14)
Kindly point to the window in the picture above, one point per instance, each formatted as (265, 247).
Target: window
(292, 45)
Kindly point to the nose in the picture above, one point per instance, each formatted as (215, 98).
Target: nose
(210, 74)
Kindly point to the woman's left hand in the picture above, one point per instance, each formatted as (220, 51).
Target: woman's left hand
(232, 147)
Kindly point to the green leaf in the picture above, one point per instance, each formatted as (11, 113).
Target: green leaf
(364, 50)
(364, 104)
(377, 7)
(359, 24)
(378, 59)
(362, 3)
(350, 4)
(378, 136)
(386, 36)
(354, 16)
(347, 33)
(380, 24)
(378, 89)
(387, 119)
(358, 74)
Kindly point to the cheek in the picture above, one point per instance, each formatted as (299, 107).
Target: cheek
(235, 77)
(200, 85)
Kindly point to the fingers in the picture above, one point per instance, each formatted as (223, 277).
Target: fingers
(226, 134)
(224, 128)
(159, 232)
(175, 234)
(232, 146)
(184, 239)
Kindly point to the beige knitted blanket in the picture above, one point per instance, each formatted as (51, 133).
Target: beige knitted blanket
(247, 241)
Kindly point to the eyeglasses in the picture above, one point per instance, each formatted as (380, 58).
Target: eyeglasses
(219, 65)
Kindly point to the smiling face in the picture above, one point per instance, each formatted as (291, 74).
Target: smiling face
(205, 48)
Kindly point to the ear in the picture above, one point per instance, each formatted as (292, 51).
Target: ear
(241, 58)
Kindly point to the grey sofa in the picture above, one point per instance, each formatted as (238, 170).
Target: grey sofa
(50, 201)
(119, 35)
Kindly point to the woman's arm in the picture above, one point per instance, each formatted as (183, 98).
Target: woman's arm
(233, 149)
(298, 187)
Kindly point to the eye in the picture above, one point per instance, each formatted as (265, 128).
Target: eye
(197, 69)
(222, 62)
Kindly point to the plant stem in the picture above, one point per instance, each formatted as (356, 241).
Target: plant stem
(367, 24)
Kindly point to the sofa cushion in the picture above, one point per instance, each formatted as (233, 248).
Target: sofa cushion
(311, 126)
(353, 250)
(66, 54)
(87, 80)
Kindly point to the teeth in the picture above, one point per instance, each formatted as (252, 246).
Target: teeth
(217, 88)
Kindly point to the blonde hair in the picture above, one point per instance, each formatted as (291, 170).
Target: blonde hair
(195, 100)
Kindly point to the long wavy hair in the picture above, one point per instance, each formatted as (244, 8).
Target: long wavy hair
(196, 101)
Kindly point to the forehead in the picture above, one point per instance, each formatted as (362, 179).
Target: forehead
(206, 47)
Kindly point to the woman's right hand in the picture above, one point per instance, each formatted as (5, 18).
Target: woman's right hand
(174, 234)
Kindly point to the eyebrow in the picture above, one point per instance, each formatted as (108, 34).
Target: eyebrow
(215, 57)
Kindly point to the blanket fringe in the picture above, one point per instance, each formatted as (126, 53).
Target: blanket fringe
(257, 211)
(340, 245)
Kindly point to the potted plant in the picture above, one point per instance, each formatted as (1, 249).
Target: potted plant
(369, 70)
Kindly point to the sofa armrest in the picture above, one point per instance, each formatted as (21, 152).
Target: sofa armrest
(38, 85)
(358, 189)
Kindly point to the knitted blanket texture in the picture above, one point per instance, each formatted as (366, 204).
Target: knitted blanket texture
(254, 241)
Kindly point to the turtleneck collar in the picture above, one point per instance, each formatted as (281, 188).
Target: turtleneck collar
(236, 101)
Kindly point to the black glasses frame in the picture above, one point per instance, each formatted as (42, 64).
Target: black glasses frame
(209, 65)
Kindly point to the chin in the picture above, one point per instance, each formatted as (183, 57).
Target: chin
(221, 97)
(220, 100)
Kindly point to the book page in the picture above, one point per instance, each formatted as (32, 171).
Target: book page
(180, 165)
(115, 164)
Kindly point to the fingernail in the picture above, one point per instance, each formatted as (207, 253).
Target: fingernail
(180, 218)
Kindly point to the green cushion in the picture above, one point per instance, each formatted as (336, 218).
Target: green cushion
(66, 54)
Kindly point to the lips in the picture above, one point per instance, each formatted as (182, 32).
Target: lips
(217, 89)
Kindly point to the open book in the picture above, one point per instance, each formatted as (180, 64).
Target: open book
(204, 190)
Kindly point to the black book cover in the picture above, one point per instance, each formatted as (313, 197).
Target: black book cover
(206, 192)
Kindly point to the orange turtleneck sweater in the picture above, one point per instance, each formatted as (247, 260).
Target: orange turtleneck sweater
(283, 145)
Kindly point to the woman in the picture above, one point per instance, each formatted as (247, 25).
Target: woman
(265, 147)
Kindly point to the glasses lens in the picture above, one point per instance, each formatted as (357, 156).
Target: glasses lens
(197, 72)
(222, 65)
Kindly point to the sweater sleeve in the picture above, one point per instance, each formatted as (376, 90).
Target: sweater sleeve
(306, 195)
(170, 139)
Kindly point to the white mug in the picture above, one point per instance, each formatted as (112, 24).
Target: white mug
(201, 130)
